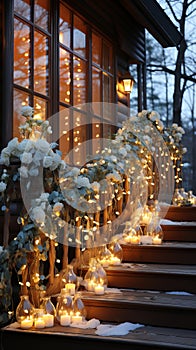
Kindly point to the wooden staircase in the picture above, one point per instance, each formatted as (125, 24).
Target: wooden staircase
(156, 288)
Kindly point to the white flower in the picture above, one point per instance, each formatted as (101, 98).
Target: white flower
(154, 116)
(75, 171)
(122, 152)
(160, 125)
(143, 113)
(184, 150)
(113, 159)
(47, 162)
(174, 125)
(180, 130)
(2, 186)
(44, 196)
(178, 136)
(26, 145)
(13, 144)
(58, 207)
(56, 161)
(83, 182)
(42, 145)
(26, 158)
(114, 176)
(38, 215)
(27, 111)
(95, 186)
(23, 171)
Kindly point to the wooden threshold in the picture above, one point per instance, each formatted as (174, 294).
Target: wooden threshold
(180, 233)
(162, 277)
(165, 253)
(148, 308)
(143, 338)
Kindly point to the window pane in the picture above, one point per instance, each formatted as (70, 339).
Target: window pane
(107, 57)
(79, 78)
(41, 63)
(96, 49)
(41, 13)
(20, 99)
(79, 37)
(96, 90)
(96, 135)
(21, 54)
(23, 8)
(40, 108)
(64, 76)
(65, 132)
(79, 138)
(65, 26)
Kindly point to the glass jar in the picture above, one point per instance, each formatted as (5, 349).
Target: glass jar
(146, 216)
(79, 310)
(157, 234)
(117, 253)
(70, 279)
(38, 318)
(177, 198)
(104, 256)
(25, 311)
(64, 308)
(91, 278)
(102, 276)
(47, 306)
(133, 235)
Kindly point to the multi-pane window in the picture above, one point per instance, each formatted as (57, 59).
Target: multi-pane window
(70, 57)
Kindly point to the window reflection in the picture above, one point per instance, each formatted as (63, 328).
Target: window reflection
(40, 63)
(21, 54)
(65, 26)
(23, 8)
(64, 76)
(40, 108)
(20, 99)
(79, 79)
(79, 37)
(41, 13)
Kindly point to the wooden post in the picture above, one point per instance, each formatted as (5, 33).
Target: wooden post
(52, 257)
(77, 224)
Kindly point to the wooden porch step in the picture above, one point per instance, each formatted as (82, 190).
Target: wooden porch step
(183, 253)
(176, 213)
(144, 307)
(162, 277)
(143, 338)
(180, 233)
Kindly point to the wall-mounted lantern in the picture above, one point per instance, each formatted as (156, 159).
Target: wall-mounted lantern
(128, 82)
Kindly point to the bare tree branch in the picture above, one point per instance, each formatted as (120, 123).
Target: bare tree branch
(172, 10)
(158, 68)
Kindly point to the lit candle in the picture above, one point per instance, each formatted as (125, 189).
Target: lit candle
(104, 262)
(49, 320)
(70, 288)
(90, 286)
(157, 240)
(26, 323)
(132, 239)
(39, 322)
(99, 289)
(65, 320)
(76, 318)
(146, 239)
(114, 260)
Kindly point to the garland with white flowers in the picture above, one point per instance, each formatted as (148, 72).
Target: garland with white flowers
(78, 186)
